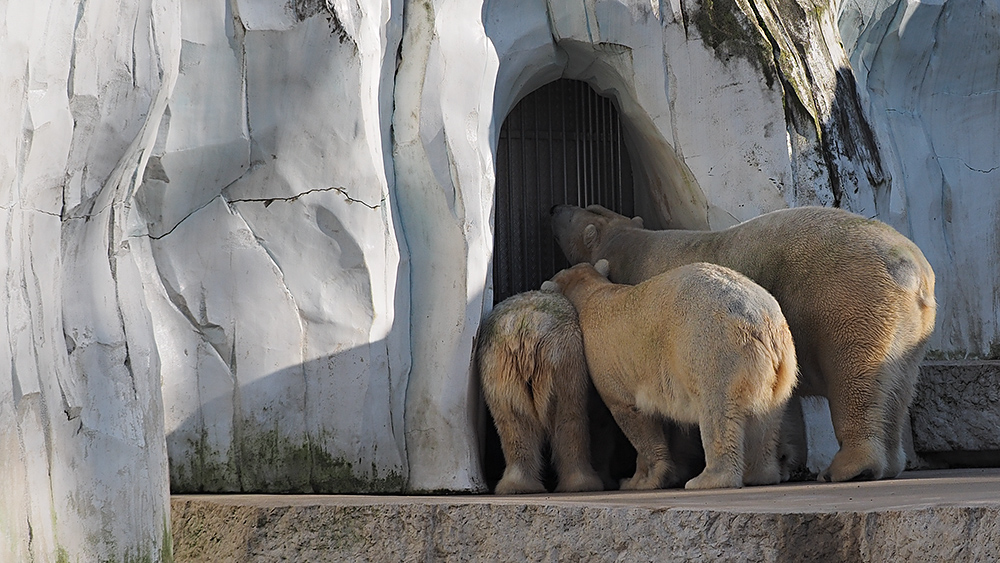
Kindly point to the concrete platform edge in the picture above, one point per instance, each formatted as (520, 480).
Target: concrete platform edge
(949, 515)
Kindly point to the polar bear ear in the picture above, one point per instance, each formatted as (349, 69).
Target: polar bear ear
(602, 267)
(549, 285)
(590, 235)
(637, 222)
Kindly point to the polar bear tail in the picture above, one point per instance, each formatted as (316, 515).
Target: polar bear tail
(786, 364)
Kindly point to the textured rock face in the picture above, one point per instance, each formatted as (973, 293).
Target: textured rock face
(278, 213)
(278, 284)
(444, 174)
(931, 84)
(957, 409)
(82, 455)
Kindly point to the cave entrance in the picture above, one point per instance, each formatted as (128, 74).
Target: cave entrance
(562, 143)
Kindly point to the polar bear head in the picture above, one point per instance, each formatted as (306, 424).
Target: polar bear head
(580, 231)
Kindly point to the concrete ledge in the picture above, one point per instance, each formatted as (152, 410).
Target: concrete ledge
(951, 515)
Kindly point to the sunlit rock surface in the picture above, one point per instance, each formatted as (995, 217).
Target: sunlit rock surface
(256, 235)
(83, 460)
(279, 289)
(930, 75)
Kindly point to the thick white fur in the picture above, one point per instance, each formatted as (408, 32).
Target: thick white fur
(697, 344)
(858, 296)
(534, 378)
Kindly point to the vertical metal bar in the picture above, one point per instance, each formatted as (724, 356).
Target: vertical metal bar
(607, 186)
(588, 143)
(602, 165)
(550, 107)
(595, 143)
(598, 189)
(567, 153)
(508, 226)
(615, 177)
(531, 197)
(500, 270)
(612, 168)
(609, 152)
(588, 161)
(578, 134)
(521, 190)
(526, 173)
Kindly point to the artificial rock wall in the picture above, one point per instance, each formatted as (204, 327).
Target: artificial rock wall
(278, 288)
(255, 234)
(83, 460)
(930, 80)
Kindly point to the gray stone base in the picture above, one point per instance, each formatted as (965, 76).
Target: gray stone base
(956, 413)
(949, 515)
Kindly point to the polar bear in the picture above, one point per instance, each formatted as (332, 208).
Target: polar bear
(858, 296)
(697, 344)
(534, 378)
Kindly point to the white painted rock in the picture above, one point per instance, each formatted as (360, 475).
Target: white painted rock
(82, 454)
(929, 72)
(278, 285)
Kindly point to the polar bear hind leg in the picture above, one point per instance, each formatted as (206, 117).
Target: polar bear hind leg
(522, 439)
(761, 450)
(858, 409)
(722, 437)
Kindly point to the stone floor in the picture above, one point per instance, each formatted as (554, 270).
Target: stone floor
(947, 515)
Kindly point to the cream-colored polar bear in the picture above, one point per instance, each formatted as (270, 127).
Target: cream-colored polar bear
(858, 296)
(697, 344)
(534, 378)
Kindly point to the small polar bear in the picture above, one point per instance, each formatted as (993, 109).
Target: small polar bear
(534, 379)
(697, 344)
(857, 294)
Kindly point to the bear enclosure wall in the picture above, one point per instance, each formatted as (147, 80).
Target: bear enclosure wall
(256, 234)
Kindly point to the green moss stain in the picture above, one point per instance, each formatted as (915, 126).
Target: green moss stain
(332, 475)
(165, 555)
(201, 470)
(264, 460)
(727, 30)
(167, 547)
(947, 355)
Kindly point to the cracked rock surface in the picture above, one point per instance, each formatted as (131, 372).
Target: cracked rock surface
(277, 258)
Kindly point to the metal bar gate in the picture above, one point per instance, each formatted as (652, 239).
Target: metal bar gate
(561, 144)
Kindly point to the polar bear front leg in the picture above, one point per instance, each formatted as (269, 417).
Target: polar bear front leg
(641, 471)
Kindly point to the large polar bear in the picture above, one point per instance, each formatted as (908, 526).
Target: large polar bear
(697, 344)
(534, 377)
(858, 296)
